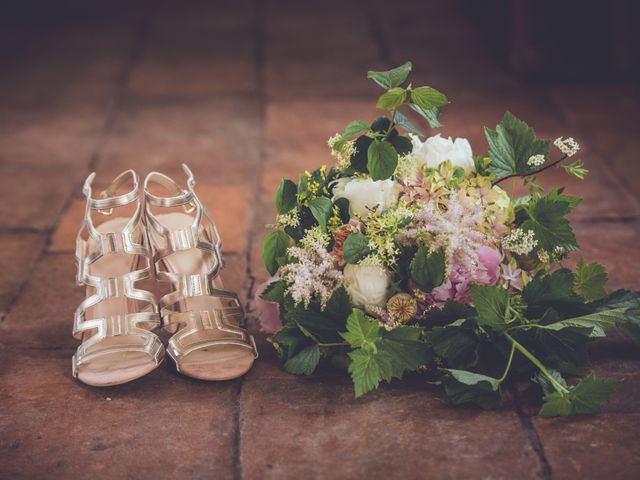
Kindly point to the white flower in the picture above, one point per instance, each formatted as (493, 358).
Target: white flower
(568, 146)
(364, 192)
(536, 160)
(520, 242)
(367, 284)
(435, 150)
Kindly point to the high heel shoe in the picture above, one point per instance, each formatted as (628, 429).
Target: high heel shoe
(208, 342)
(115, 320)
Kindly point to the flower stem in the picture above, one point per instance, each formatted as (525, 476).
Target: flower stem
(536, 362)
(506, 370)
(547, 166)
(336, 344)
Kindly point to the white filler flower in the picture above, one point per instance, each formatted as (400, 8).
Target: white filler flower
(435, 150)
(364, 192)
(367, 284)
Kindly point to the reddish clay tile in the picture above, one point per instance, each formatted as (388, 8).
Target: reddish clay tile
(18, 253)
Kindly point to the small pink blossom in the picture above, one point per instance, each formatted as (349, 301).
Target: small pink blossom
(459, 281)
(269, 317)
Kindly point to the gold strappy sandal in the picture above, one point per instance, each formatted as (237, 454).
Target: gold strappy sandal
(208, 342)
(115, 321)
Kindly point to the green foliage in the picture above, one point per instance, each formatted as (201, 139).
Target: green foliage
(305, 362)
(546, 217)
(403, 122)
(286, 196)
(462, 387)
(590, 280)
(355, 127)
(391, 78)
(360, 158)
(392, 99)
(428, 98)
(275, 292)
(550, 290)
(630, 302)
(356, 247)
(427, 269)
(457, 343)
(321, 210)
(598, 322)
(273, 248)
(511, 145)
(430, 115)
(382, 160)
(402, 144)
(586, 397)
(380, 354)
(492, 304)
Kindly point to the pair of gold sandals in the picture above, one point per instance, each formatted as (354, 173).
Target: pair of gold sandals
(173, 244)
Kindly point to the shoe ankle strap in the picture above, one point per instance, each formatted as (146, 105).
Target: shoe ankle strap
(109, 200)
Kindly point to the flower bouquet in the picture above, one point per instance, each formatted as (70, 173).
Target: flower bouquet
(408, 256)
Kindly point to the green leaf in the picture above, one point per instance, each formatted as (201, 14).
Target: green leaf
(406, 351)
(402, 144)
(599, 322)
(289, 341)
(511, 145)
(339, 306)
(590, 280)
(275, 292)
(428, 98)
(551, 289)
(286, 196)
(403, 122)
(585, 398)
(457, 344)
(382, 160)
(361, 156)
(463, 387)
(317, 326)
(391, 78)
(544, 382)
(427, 269)
(274, 246)
(368, 369)
(356, 247)
(321, 210)
(491, 304)
(430, 115)
(305, 362)
(355, 127)
(630, 301)
(392, 99)
(546, 217)
(362, 331)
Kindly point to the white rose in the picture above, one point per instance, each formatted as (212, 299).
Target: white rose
(367, 284)
(364, 192)
(435, 150)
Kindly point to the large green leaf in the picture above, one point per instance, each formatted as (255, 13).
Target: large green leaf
(492, 304)
(355, 127)
(305, 362)
(402, 121)
(286, 196)
(428, 98)
(274, 246)
(368, 369)
(546, 217)
(316, 325)
(361, 156)
(552, 289)
(463, 387)
(391, 78)
(630, 301)
(431, 115)
(382, 160)
(355, 247)
(392, 99)
(362, 331)
(599, 322)
(427, 269)
(321, 210)
(456, 343)
(405, 349)
(590, 280)
(585, 398)
(511, 145)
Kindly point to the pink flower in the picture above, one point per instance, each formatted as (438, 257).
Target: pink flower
(269, 317)
(459, 281)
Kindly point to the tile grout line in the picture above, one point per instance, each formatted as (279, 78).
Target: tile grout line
(259, 38)
(109, 120)
(532, 434)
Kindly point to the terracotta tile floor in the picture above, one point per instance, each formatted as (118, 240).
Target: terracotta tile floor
(247, 92)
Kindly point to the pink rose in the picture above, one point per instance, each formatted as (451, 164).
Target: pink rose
(269, 317)
(459, 281)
